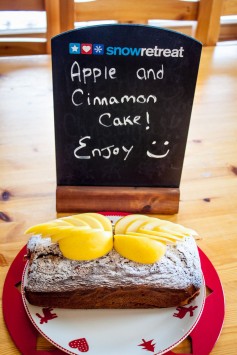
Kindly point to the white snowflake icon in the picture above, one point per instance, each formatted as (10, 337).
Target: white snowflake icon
(98, 49)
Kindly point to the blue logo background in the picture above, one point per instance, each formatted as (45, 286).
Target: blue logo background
(74, 48)
(98, 49)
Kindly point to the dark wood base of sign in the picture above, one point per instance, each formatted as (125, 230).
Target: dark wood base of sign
(150, 200)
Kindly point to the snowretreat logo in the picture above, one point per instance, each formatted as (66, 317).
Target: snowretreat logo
(99, 49)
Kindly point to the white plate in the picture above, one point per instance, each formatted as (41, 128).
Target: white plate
(116, 332)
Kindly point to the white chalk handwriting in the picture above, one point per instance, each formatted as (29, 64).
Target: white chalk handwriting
(84, 152)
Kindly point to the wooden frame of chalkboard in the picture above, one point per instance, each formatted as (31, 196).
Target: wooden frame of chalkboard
(120, 199)
(123, 98)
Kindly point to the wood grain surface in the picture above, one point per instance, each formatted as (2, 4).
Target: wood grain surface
(208, 191)
(114, 198)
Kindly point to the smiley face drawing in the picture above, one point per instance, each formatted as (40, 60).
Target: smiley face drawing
(158, 156)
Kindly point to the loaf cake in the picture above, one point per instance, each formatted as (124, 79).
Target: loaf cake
(112, 280)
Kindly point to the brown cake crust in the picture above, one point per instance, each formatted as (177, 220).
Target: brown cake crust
(104, 297)
(111, 281)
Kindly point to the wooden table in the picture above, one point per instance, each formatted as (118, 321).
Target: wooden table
(209, 180)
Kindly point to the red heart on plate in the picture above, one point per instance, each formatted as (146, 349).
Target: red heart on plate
(80, 344)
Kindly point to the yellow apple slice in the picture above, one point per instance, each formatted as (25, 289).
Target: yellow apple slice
(160, 239)
(177, 229)
(162, 224)
(164, 229)
(65, 231)
(121, 224)
(139, 249)
(161, 234)
(91, 221)
(86, 245)
(151, 223)
(107, 225)
(44, 228)
(74, 221)
(169, 227)
(134, 225)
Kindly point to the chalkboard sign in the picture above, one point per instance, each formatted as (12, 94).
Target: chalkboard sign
(123, 97)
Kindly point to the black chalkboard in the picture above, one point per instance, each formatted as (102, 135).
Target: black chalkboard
(123, 97)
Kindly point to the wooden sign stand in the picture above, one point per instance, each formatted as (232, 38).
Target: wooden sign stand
(154, 200)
